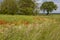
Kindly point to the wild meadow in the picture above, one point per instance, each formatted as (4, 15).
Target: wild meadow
(23, 27)
(26, 20)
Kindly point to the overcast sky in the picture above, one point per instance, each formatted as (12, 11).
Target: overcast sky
(56, 1)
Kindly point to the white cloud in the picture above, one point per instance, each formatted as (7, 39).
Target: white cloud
(39, 1)
(58, 9)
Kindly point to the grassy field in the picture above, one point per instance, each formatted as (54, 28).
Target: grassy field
(21, 27)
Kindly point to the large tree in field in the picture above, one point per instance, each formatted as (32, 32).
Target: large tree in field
(26, 7)
(48, 7)
(9, 7)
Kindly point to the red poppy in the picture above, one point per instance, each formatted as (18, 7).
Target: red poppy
(2, 22)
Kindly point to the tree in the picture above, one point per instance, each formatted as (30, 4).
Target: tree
(26, 7)
(9, 7)
(48, 7)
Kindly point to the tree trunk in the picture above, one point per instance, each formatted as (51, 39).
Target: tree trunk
(47, 12)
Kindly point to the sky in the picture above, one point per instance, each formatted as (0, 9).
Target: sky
(56, 2)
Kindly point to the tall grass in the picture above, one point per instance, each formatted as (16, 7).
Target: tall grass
(48, 29)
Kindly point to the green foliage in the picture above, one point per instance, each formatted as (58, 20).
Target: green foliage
(48, 6)
(9, 7)
(26, 7)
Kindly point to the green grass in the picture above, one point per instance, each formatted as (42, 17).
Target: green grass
(39, 28)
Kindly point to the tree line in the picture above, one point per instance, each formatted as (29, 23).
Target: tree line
(24, 7)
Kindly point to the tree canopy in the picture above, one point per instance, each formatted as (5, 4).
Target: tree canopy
(48, 6)
(26, 6)
(8, 7)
